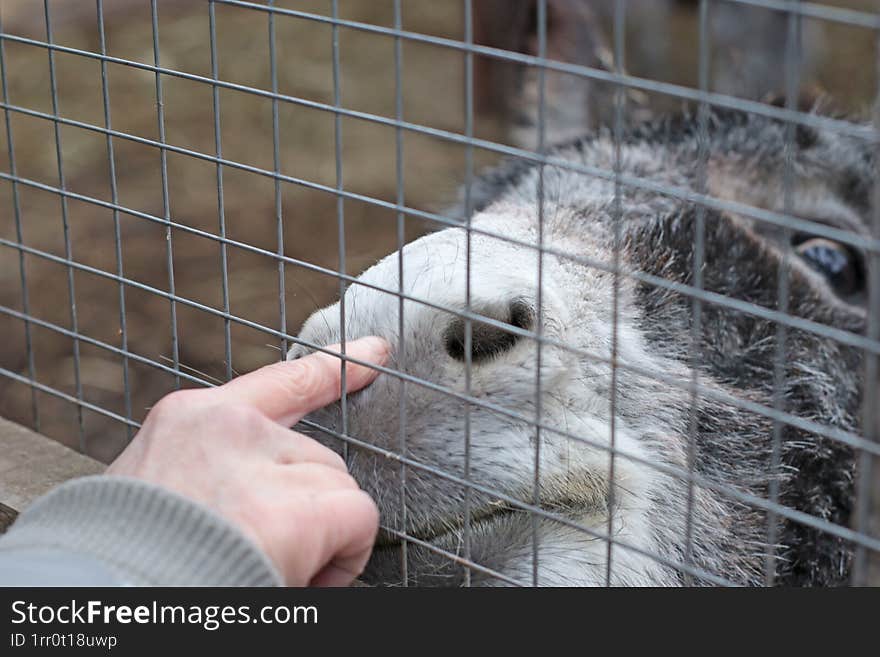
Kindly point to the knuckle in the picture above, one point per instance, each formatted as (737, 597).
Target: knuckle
(175, 404)
(329, 477)
(241, 417)
(371, 508)
(362, 498)
(336, 461)
(345, 480)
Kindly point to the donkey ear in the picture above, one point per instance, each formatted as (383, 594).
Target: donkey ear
(813, 99)
(511, 90)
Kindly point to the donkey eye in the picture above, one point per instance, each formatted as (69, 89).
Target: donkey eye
(836, 262)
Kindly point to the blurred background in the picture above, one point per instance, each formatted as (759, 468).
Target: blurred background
(662, 44)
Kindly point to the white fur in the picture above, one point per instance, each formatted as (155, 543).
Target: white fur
(576, 310)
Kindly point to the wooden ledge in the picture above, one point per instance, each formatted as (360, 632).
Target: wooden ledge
(31, 464)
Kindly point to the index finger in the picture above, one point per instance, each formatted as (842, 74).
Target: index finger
(285, 392)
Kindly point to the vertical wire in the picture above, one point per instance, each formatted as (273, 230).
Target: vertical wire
(698, 259)
(276, 163)
(468, 325)
(117, 230)
(68, 249)
(866, 569)
(401, 241)
(539, 300)
(340, 217)
(619, 101)
(166, 202)
(19, 235)
(221, 207)
(792, 78)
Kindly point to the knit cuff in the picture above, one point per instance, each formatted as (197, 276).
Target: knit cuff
(146, 534)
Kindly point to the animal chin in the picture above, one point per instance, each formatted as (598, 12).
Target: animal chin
(488, 515)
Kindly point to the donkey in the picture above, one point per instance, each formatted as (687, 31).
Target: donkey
(511, 323)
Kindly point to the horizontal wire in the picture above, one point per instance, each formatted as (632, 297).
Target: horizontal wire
(54, 391)
(451, 556)
(635, 182)
(667, 469)
(671, 470)
(833, 433)
(700, 480)
(764, 216)
(385, 453)
(842, 336)
(851, 17)
(759, 502)
(74, 400)
(682, 474)
(119, 418)
(686, 93)
(119, 351)
(812, 10)
(866, 133)
(524, 506)
(81, 403)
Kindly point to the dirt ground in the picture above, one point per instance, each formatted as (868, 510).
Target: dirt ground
(433, 82)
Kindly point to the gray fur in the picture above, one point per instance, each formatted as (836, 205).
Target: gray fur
(652, 418)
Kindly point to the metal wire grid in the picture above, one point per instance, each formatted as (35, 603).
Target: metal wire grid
(867, 444)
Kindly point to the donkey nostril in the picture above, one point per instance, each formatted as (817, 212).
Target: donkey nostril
(488, 340)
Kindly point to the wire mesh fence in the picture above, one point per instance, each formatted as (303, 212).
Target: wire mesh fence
(645, 356)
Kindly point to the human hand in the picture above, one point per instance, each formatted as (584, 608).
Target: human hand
(230, 448)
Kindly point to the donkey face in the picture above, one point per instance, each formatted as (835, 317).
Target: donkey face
(533, 411)
(488, 446)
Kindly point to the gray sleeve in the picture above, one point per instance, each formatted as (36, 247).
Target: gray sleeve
(118, 531)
